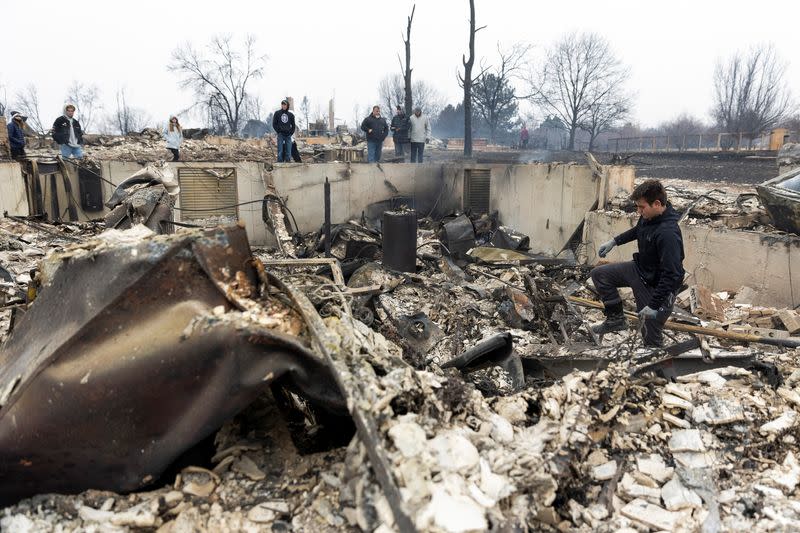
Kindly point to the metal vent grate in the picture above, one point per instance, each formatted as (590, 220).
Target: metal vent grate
(477, 190)
(208, 192)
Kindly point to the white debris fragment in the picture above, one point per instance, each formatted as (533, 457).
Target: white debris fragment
(630, 489)
(134, 517)
(787, 476)
(787, 420)
(454, 514)
(686, 440)
(453, 452)
(675, 421)
(654, 466)
(681, 391)
(674, 402)
(604, 471)
(676, 496)
(651, 515)
(718, 412)
(261, 514)
(409, 438)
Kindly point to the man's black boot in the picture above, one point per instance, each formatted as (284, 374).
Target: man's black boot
(615, 320)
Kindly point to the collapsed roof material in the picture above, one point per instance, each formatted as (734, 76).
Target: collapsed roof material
(128, 358)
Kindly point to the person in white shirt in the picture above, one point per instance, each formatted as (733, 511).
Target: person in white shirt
(420, 133)
(173, 134)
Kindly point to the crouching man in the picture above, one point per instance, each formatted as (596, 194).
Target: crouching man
(656, 272)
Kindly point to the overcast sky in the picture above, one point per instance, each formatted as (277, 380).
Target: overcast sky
(342, 49)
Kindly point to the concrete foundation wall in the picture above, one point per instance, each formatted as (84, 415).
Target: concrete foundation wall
(548, 201)
(13, 197)
(355, 186)
(718, 258)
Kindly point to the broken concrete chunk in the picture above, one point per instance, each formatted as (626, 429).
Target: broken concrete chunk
(790, 319)
(675, 421)
(454, 514)
(409, 438)
(790, 395)
(681, 391)
(261, 514)
(630, 489)
(674, 402)
(604, 471)
(676, 496)
(787, 476)
(693, 460)
(686, 440)
(651, 515)
(717, 412)
(453, 452)
(787, 420)
(245, 465)
(131, 518)
(654, 466)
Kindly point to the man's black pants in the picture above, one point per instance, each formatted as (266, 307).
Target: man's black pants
(607, 278)
(416, 152)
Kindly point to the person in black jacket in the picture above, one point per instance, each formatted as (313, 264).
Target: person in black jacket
(399, 127)
(16, 134)
(67, 133)
(283, 124)
(656, 272)
(376, 129)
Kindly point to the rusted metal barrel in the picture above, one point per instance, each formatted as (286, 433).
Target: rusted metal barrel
(400, 240)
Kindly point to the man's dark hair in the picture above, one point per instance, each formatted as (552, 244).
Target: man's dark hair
(650, 191)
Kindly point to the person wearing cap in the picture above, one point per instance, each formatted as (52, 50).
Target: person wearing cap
(68, 134)
(377, 129)
(420, 129)
(16, 134)
(399, 129)
(173, 134)
(283, 124)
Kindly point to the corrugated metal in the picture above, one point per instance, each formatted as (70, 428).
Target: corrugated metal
(477, 190)
(208, 189)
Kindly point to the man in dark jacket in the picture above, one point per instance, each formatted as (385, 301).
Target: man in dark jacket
(67, 133)
(16, 134)
(656, 272)
(283, 124)
(376, 129)
(399, 127)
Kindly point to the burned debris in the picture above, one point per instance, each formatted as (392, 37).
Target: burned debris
(394, 372)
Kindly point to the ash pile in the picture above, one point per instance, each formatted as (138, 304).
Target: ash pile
(387, 374)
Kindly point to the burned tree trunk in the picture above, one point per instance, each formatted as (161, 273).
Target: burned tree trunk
(467, 80)
(407, 73)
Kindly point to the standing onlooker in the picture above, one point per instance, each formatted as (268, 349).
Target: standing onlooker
(420, 129)
(67, 133)
(376, 128)
(399, 129)
(283, 124)
(16, 134)
(173, 134)
(523, 137)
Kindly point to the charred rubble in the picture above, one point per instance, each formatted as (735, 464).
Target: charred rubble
(420, 375)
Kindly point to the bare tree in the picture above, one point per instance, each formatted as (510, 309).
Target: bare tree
(580, 77)
(305, 107)
(84, 97)
(494, 93)
(27, 103)
(465, 80)
(391, 93)
(751, 93)
(127, 119)
(407, 69)
(220, 77)
(3, 100)
(604, 115)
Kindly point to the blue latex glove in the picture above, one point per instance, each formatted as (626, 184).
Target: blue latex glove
(648, 313)
(606, 247)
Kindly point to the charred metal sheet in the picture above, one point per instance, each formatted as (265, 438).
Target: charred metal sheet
(494, 351)
(672, 367)
(459, 236)
(121, 363)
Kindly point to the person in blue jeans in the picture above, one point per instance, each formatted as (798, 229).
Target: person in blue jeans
(377, 129)
(68, 134)
(283, 124)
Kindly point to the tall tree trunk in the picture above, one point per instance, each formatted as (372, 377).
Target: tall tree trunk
(468, 82)
(407, 74)
(571, 138)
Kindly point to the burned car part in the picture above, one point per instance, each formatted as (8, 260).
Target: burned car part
(132, 353)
